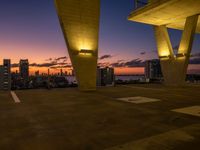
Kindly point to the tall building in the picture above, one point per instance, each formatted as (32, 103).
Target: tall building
(37, 73)
(24, 69)
(61, 72)
(1, 77)
(5, 75)
(105, 76)
(153, 69)
(73, 73)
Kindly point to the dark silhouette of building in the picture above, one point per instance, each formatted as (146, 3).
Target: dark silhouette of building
(73, 73)
(24, 69)
(153, 69)
(105, 76)
(61, 72)
(37, 73)
(5, 75)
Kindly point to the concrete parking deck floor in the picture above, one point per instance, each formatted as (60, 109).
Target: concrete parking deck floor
(66, 119)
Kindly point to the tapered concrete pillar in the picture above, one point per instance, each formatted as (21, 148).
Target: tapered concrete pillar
(79, 21)
(174, 66)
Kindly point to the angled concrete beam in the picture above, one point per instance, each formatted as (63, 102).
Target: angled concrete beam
(79, 21)
(174, 67)
(165, 53)
(163, 41)
(188, 35)
(185, 47)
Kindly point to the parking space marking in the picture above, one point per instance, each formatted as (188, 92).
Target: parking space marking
(15, 97)
(193, 110)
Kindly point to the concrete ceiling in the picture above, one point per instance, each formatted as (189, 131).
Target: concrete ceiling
(172, 13)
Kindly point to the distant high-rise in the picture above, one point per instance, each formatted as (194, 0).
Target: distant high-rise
(61, 72)
(105, 76)
(5, 75)
(37, 73)
(24, 68)
(1, 77)
(73, 73)
(153, 69)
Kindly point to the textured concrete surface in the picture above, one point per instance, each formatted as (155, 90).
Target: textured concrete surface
(165, 141)
(171, 13)
(138, 99)
(79, 21)
(5, 97)
(68, 119)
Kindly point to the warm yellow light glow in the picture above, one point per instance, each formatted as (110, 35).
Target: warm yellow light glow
(164, 57)
(86, 52)
(81, 42)
(164, 53)
(85, 44)
(181, 55)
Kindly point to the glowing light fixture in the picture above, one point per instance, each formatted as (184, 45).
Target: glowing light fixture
(165, 52)
(181, 55)
(86, 52)
(164, 57)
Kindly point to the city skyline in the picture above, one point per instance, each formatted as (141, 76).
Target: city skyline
(55, 66)
(32, 31)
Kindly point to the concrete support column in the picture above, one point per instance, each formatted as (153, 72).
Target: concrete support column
(79, 21)
(163, 41)
(185, 46)
(165, 52)
(174, 67)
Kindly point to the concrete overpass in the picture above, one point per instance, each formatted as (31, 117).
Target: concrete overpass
(175, 14)
(79, 20)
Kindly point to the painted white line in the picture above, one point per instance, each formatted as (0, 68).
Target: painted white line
(193, 110)
(14, 96)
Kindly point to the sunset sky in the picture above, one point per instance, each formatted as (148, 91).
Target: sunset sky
(30, 29)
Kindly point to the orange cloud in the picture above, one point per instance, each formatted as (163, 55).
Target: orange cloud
(129, 70)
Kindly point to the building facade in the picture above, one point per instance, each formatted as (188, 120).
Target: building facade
(1, 77)
(5, 75)
(105, 76)
(153, 69)
(24, 69)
